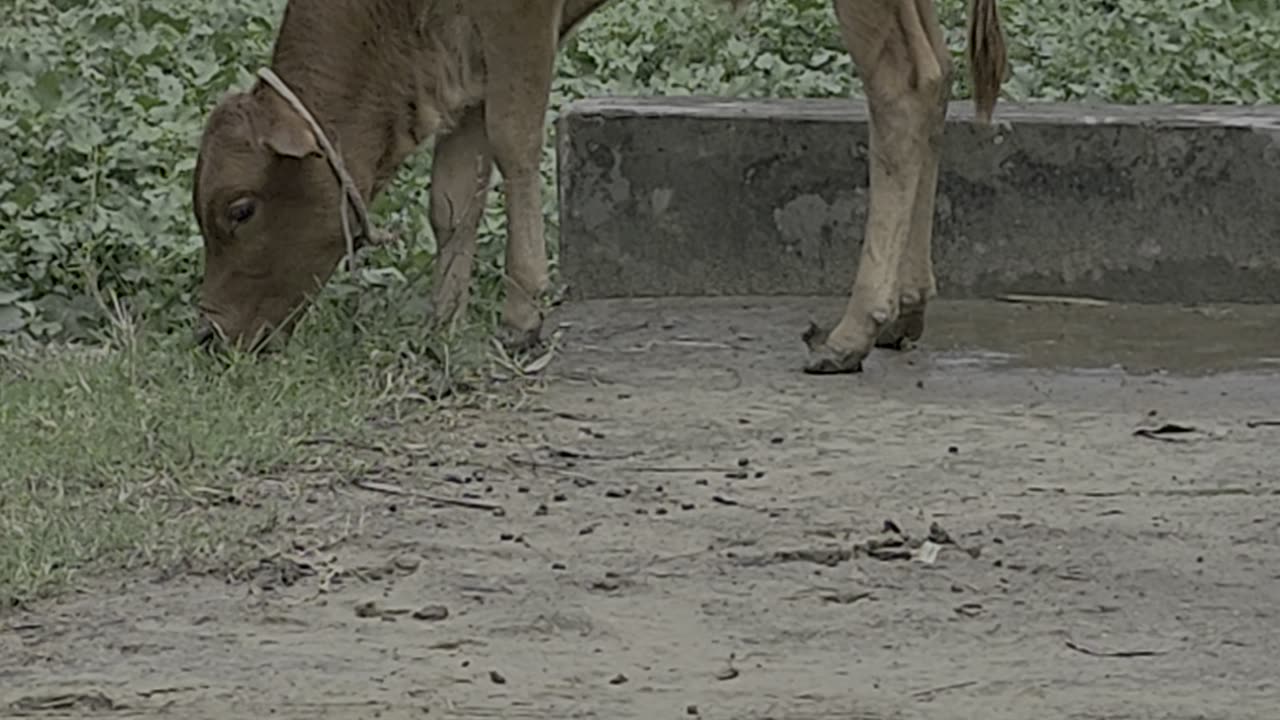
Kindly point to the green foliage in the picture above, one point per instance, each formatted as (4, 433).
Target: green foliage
(1136, 51)
(101, 105)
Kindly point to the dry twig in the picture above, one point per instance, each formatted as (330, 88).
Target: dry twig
(389, 489)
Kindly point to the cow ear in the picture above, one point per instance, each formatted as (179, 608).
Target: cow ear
(282, 130)
(290, 137)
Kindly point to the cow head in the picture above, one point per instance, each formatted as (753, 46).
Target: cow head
(268, 207)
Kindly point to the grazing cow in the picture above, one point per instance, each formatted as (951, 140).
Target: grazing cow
(286, 168)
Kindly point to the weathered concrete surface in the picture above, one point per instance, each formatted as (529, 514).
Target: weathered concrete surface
(709, 197)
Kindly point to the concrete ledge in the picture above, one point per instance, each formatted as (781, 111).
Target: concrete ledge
(688, 196)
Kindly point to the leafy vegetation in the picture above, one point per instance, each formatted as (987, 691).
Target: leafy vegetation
(101, 105)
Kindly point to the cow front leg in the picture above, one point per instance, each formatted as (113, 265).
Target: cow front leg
(903, 78)
(520, 47)
(462, 167)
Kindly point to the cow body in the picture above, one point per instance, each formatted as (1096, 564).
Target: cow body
(382, 77)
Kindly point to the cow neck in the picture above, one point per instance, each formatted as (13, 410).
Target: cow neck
(352, 199)
(349, 101)
(320, 110)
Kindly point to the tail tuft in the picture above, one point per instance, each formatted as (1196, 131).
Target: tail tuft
(988, 59)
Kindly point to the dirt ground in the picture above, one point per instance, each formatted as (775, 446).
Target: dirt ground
(691, 528)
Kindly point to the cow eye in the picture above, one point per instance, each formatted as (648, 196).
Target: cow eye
(241, 210)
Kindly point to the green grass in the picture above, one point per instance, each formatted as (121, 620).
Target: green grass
(139, 455)
(146, 452)
(101, 454)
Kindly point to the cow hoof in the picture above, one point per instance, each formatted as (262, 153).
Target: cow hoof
(904, 332)
(823, 360)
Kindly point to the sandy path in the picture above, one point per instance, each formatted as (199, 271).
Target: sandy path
(682, 516)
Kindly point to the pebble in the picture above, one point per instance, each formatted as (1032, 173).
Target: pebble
(431, 613)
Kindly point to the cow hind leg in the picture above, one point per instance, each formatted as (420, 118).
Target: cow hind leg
(462, 167)
(520, 47)
(903, 77)
(915, 272)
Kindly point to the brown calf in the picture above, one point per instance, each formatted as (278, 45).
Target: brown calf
(365, 82)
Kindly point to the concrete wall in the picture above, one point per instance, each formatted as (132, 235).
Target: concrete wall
(711, 197)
